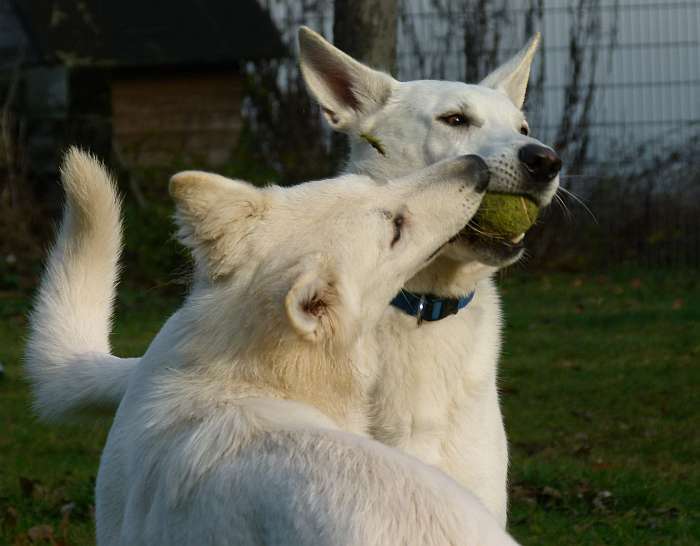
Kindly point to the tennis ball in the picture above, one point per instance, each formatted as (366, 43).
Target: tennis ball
(504, 216)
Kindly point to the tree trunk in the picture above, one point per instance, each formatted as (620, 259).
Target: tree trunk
(366, 29)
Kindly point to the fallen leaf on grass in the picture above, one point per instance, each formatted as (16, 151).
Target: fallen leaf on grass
(649, 432)
(678, 304)
(40, 533)
(549, 494)
(10, 517)
(569, 365)
(670, 512)
(600, 465)
(582, 414)
(602, 501)
(545, 496)
(582, 489)
(33, 489)
(524, 493)
(530, 448)
(66, 511)
(582, 527)
(599, 501)
(27, 486)
(582, 444)
(504, 388)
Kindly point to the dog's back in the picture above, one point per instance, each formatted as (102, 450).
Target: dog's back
(235, 476)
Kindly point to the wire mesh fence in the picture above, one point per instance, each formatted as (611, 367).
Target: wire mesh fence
(615, 89)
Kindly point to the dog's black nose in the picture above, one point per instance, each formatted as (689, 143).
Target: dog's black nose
(541, 162)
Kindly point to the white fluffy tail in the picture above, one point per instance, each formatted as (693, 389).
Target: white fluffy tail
(68, 355)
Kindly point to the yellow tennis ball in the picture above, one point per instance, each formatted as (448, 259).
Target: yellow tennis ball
(504, 216)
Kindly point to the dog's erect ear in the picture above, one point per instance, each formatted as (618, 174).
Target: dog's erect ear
(346, 89)
(317, 305)
(512, 76)
(214, 214)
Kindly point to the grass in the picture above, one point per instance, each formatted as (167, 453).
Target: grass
(599, 378)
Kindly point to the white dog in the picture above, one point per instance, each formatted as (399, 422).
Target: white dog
(237, 426)
(436, 395)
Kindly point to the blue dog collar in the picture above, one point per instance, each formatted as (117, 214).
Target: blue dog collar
(429, 307)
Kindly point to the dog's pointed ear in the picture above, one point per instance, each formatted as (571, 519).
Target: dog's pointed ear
(214, 215)
(317, 305)
(512, 76)
(346, 89)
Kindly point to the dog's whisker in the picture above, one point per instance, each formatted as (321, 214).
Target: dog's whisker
(475, 227)
(574, 176)
(563, 206)
(580, 202)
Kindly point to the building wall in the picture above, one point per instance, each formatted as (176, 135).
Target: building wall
(13, 42)
(188, 119)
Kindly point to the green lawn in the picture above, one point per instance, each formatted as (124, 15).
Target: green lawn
(600, 384)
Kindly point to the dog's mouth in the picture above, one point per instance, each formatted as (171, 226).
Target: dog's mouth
(493, 252)
(496, 233)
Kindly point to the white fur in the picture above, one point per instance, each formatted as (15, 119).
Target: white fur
(242, 424)
(68, 354)
(436, 394)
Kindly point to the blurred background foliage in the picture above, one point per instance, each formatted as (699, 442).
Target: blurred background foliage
(629, 137)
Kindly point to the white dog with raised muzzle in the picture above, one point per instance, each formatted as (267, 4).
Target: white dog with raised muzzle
(435, 395)
(244, 423)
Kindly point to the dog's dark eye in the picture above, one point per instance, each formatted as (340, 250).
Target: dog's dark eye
(454, 120)
(398, 224)
(524, 129)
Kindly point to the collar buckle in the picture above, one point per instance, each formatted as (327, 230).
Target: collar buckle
(427, 307)
(421, 309)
